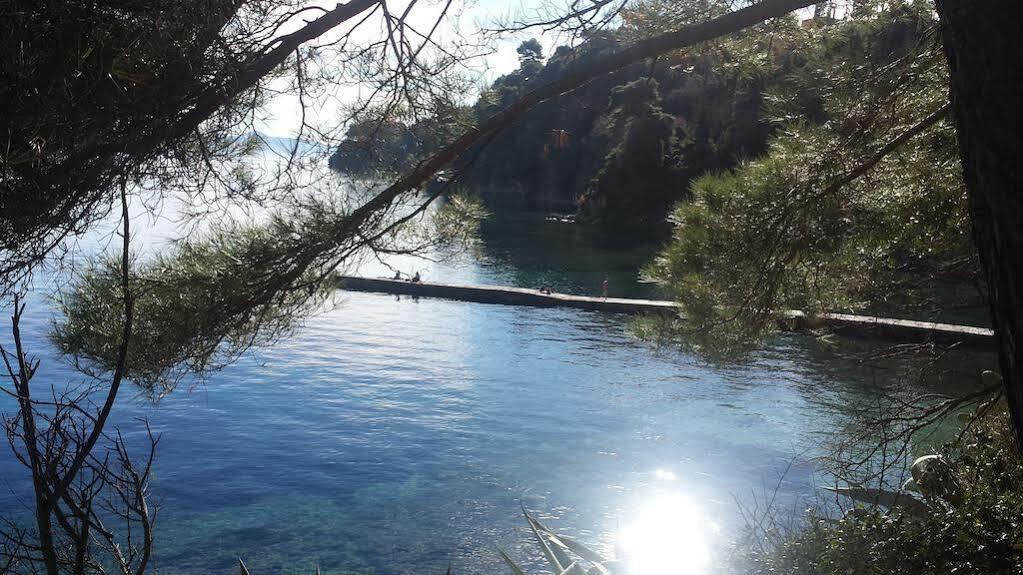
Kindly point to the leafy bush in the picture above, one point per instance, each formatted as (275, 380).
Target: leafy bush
(978, 531)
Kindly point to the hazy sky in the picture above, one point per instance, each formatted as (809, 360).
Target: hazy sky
(282, 115)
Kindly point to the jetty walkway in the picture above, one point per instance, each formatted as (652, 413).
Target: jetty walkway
(859, 326)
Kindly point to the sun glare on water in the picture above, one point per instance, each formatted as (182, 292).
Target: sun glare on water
(667, 535)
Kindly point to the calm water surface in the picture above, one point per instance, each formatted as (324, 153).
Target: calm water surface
(394, 435)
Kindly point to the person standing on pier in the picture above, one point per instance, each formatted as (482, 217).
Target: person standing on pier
(603, 288)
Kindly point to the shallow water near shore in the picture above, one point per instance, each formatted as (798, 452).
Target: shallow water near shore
(401, 435)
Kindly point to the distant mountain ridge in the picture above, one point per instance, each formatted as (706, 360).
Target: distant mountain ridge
(283, 145)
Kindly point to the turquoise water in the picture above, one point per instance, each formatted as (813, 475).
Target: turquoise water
(396, 435)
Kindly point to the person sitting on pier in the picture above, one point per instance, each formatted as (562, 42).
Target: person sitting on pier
(397, 274)
(545, 290)
(415, 279)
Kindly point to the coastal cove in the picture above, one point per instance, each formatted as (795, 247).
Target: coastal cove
(620, 287)
(392, 434)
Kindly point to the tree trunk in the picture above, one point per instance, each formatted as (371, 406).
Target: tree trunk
(984, 47)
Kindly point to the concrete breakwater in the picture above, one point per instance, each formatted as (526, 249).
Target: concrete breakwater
(505, 295)
(859, 326)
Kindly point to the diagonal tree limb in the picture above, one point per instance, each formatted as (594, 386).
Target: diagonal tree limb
(894, 144)
(128, 301)
(682, 38)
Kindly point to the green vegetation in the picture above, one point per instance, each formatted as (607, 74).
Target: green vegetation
(640, 177)
(842, 211)
(973, 523)
(187, 322)
(621, 149)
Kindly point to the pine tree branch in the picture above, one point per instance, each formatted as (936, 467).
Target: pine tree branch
(888, 148)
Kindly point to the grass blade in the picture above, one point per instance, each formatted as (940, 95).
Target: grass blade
(514, 566)
(556, 565)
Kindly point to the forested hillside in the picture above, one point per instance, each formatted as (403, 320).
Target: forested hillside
(622, 150)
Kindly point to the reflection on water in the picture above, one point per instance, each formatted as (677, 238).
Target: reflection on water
(666, 535)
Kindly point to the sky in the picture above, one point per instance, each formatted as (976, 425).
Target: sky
(282, 115)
